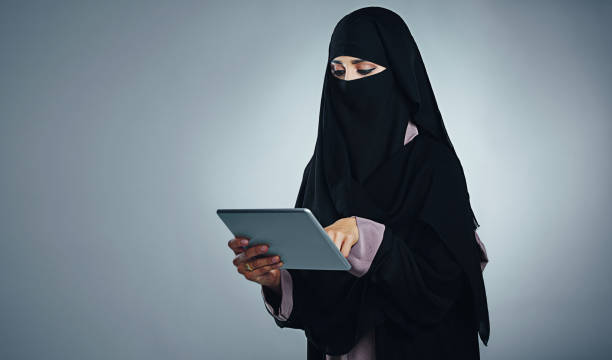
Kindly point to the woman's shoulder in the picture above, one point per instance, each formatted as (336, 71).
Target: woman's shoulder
(443, 162)
(439, 154)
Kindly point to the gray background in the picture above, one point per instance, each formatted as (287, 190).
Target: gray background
(124, 126)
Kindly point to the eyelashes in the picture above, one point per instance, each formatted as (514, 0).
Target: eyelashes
(342, 72)
(365, 72)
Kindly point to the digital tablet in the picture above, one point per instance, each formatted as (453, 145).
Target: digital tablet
(294, 234)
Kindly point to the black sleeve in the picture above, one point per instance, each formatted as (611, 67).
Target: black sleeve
(417, 279)
(271, 297)
(294, 320)
(300, 307)
(413, 282)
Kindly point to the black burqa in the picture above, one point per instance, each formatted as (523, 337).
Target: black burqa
(424, 293)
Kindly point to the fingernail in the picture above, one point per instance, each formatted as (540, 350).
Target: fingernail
(276, 258)
(262, 248)
(244, 242)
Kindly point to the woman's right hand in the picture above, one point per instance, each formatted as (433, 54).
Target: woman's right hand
(265, 270)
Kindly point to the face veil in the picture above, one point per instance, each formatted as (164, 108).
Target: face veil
(361, 167)
(365, 115)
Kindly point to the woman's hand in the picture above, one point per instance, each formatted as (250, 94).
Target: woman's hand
(264, 270)
(344, 233)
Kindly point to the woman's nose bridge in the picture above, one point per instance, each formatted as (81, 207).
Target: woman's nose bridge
(352, 74)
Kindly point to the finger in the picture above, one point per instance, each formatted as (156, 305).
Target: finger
(239, 251)
(341, 240)
(253, 275)
(333, 236)
(268, 260)
(238, 243)
(240, 258)
(249, 254)
(264, 270)
(346, 247)
(338, 239)
(243, 269)
(256, 250)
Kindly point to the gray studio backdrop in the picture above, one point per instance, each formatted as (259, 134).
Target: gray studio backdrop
(124, 126)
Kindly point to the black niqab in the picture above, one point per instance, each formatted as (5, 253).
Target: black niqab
(360, 167)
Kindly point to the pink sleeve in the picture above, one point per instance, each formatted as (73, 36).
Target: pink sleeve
(363, 252)
(286, 303)
(411, 132)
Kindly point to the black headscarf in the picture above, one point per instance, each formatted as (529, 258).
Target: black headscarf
(360, 167)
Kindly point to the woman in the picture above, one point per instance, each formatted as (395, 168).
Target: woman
(385, 179)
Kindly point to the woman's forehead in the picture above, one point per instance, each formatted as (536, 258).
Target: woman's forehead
(347, 59)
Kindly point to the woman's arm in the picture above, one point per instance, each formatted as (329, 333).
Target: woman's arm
(363, 252)
(434, 262)
(280, 306)
(418, 283)
(371, 234)
(285, 311)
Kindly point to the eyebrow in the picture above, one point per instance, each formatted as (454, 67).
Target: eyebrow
(357, 61)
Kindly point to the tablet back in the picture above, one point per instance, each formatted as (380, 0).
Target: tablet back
(293, 233)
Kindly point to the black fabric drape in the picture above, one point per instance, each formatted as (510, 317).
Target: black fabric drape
(426, 275)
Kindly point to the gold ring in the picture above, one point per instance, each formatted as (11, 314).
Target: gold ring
(248, 266)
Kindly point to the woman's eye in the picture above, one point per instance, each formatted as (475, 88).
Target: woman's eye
(365, 72)
(340, 72)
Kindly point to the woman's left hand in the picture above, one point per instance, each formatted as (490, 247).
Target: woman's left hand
(344, 233)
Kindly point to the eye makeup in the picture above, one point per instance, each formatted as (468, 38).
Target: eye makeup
(338, 72)
(365, 71)
(341, 72)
